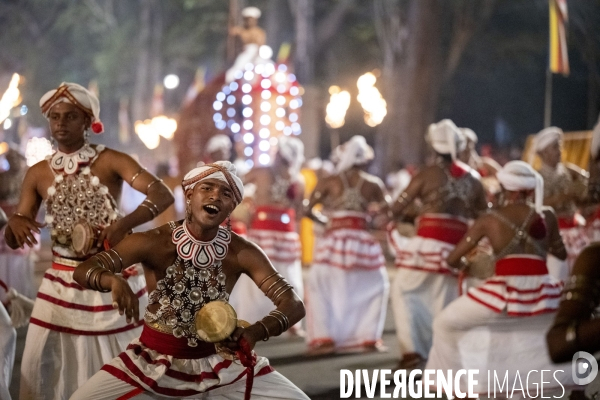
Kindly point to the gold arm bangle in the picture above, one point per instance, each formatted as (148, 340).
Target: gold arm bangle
(266, 330)
(281, 325)
(90, 271)
(280, 288)
(149, 209)
(279, 295)
(283, 316)
(136, 175)
(267, 278)
(98, 281)
(152, 183)
(107, 258)
(119, 257)
(273, 284)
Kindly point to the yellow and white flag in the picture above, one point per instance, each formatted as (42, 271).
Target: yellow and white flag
(559, 56)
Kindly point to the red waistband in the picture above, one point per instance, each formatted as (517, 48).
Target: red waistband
(62, 267)
(571, 222)
(447, 230)
(521, 266)
(274, 219)
(348, 222)
(172, 346)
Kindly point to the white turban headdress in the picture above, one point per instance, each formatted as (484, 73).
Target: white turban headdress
(77, 95)
(218, 142)
(518, 175)
(251, 12)
(469, 134)
(221, 170)
(546, 137)
(292, 150)
(355, 151)
(446, 138)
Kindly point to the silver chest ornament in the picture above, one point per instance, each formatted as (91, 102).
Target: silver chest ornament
(195, 279)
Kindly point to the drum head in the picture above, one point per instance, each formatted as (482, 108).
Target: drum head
(216, 321)
(82, 238)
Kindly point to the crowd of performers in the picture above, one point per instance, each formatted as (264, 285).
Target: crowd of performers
(477, 284)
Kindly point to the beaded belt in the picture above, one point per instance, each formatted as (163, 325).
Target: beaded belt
(64, 264)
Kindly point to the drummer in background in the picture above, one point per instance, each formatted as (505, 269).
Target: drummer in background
(564, 188)
(189, 264)
(74, 331)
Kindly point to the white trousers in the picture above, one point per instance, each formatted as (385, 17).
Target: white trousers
(8, 340)
(104, 386)
(417, 298)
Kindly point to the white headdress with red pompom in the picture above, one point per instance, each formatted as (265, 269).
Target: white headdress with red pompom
(77, 95)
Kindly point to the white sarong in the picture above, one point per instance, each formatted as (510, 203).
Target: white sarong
(424, 284)
(501, 326)
(8, 341)
(73, 332)
(347, 288)
(144, 372)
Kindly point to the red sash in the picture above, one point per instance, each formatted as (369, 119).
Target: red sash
(347, 222)
(172, 346)
(274, 218)
(521, 266)
(444, 229)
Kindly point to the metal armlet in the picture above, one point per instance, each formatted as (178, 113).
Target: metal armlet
(266, 279)
(152, 183)
(266, 330)
(136, 175)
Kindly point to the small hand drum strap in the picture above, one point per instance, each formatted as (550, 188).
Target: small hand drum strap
(248, 360)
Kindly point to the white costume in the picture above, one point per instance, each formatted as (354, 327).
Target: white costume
(8, 341)
(169, 360)
(16, 266)
(500, 326)
(73, 331)
(571, 223)
(424, 284)
(250, 54)
(273, 229)
(347, 287)
(594, 187)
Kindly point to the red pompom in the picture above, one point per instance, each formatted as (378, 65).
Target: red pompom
(537, 229)
(97, 127)
(292, 191)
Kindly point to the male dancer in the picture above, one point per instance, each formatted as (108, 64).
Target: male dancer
(451, 194)
(277, 204)
(347, 286)
(189, 264)
(564, 187)
(74, 331)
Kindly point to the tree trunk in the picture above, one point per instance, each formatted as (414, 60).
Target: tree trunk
(304, 55)
(412, 89)
(141, 89)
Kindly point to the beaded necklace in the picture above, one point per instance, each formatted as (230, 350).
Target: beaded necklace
(195, 279)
